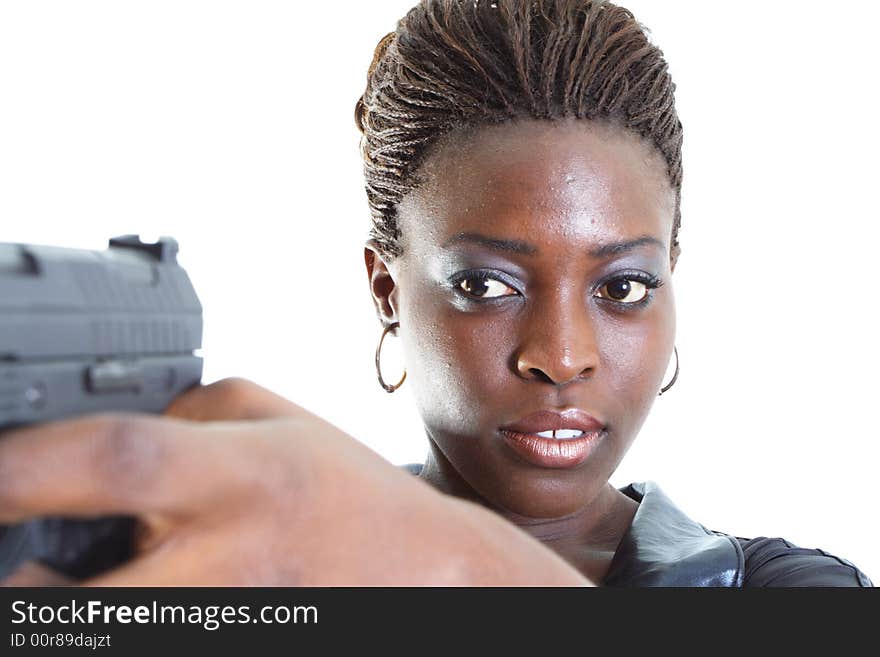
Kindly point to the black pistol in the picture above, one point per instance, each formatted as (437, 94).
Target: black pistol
(86, 332)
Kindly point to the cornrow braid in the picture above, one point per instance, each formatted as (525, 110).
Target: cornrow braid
(453, 64)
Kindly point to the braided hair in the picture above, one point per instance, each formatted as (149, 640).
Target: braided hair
(454, 64)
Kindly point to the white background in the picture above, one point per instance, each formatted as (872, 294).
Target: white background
(229, 126)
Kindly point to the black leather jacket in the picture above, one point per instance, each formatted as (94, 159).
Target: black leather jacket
(664, 547)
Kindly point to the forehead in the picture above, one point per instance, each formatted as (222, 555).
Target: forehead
(574, 182)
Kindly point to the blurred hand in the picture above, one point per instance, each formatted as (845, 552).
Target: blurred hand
(235, 485)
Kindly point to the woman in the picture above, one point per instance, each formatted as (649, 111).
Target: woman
(523, 168)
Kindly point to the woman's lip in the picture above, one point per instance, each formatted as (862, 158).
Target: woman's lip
(552, 452)
(548, 420)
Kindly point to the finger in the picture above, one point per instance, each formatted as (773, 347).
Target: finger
(111, 463)
(229, 400)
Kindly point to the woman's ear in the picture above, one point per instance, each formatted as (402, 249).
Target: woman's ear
(676, 251)
(383, 287)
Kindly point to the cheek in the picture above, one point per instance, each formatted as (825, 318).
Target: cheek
(630, 356)
(635, 358)
(457, 364)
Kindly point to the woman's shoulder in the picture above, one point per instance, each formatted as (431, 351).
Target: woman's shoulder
(777, 562)
(671, 539)
(665, 547)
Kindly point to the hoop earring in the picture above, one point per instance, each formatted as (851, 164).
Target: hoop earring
(674, 376)
(382, 383)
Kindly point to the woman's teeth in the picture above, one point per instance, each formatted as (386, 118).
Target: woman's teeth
(561, 434)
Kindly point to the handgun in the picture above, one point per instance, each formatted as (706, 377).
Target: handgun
(85, 332)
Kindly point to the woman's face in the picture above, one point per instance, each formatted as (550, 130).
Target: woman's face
(570, 221)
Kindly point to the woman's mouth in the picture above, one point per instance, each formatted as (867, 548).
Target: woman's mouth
(552, 449)
(553, 439)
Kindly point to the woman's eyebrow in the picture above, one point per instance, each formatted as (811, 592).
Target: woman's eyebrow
(517, 246)
(616, 248)
(495, 243)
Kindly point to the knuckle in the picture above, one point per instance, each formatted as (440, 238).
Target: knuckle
(127, 452)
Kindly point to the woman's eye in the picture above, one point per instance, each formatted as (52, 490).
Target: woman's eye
(624, 290)
(485, 288)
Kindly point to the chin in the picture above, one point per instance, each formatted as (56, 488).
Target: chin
(529, 491)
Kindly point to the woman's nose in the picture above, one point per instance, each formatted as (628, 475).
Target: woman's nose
(558, 344)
